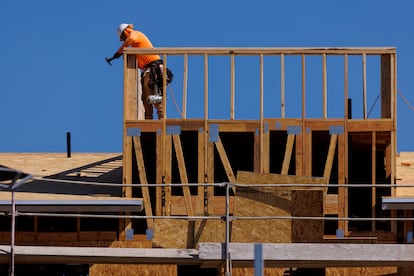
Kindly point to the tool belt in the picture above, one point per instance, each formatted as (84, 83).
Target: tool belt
(155, 69)
(153, 64)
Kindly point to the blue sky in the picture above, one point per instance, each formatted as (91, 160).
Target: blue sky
(54, 78)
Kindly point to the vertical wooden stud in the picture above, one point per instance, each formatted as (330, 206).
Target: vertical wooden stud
(266, 151)
(185, 83)
(167, 173)
(386, 86)
(261, 123)
(205, 86)
(159, 175)
(303, 87)
(282, 85)
(299, 154)
(364, 85)
(130, 113)
(373, 178)
(232, 87)
(324, 88)
(342, 191)
(202, 173)
(210, 177)
(307, 151)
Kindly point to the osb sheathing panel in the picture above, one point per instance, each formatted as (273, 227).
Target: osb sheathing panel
(254, 203)
(360, 271)
(169, 233)
(173, 233)
(305, 203)
(277, 202)
(210, 231)
(247, 271)
(405, 174)
(131, 269)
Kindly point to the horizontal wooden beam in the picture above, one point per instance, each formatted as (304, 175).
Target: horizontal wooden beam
(302, 182)
(322, 124)
(211, 254)
(82, 238)
(313, 254)
(265, 51)
(48, 202)
(370, 125)
(94, 255)
(281, 124)
(354, 125)
(66, 206)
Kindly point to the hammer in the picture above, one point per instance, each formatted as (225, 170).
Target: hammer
(115, 56)
(109, 60)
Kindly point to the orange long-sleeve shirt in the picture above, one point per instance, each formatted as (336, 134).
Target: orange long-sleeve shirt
(138, 39)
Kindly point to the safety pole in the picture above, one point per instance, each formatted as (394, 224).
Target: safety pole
(13, 232)
(16, 182)
(258, 259)
(13, 224)
(228, 260)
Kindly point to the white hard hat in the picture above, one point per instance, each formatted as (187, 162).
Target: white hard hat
(121, 28)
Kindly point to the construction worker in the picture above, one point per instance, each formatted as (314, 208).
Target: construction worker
(151, 69)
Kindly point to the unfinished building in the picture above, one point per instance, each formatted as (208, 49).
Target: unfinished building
(285, 148)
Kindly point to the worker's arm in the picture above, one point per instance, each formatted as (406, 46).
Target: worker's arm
(127, 43)
(115, 56)
(119, 52)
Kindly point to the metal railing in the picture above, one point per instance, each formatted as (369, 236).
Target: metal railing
(227, 216)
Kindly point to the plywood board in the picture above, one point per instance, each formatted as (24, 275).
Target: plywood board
(360, 271)
(169, 233)
(132, 269)
(405, 174)
(305, 203)
(244, 177)
(330, 206)
(210, 230)
(274, 201)
(174, 233)
(254, 203)
(268, 271)
(178, 206)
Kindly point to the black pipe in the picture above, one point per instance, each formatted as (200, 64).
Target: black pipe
(68, 148)
(349, 108)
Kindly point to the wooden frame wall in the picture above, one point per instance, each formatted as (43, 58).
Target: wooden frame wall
(302, 141)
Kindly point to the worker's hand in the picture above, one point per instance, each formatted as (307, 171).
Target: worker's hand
(116, 55)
